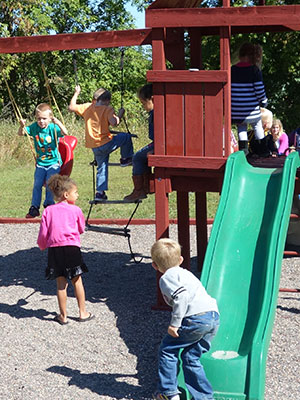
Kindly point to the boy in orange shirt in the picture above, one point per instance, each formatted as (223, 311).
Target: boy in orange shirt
(98, 116)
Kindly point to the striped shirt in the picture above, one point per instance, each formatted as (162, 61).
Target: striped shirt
(247, 92)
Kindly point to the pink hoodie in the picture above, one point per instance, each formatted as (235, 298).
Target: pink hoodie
(61, 225)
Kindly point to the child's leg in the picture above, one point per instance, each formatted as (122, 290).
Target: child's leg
(54, 169)
(167, 366)
(199, 332)
(140, 160)
(62, 284)
(39, 179)
(102, 157)
(80, 296)
(258, 129)
(242, 132)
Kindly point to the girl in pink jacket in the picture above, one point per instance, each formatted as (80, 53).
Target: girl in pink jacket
(280, 138)
(60, 229)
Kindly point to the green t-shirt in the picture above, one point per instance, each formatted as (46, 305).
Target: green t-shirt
(46, 143)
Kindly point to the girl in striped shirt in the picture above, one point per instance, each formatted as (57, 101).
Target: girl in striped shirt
(247, 93)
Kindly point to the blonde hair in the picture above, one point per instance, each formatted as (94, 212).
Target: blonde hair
(266, 115)
(59, 184)
(254, 53)
(43, 107)
(279, 123)
(166, 253)
(102, 95)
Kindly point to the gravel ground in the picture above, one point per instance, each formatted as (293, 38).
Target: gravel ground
(114, 355)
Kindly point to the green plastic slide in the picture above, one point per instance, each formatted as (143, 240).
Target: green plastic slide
(242, 271)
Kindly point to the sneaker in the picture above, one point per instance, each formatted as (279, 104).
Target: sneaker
(125, 162)
(160, 396)
(33, 212)
(100, 196)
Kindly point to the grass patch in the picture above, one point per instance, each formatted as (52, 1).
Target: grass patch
(17, 170)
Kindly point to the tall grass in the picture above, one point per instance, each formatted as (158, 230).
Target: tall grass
(17, 169)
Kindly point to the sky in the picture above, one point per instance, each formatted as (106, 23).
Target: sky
(139, 17)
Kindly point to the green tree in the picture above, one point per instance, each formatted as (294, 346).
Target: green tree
(96, 67)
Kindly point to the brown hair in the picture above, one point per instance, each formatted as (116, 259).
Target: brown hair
(254, 53)
(166, 253)
(44, 107)
(59, 184)
(102, 95)
(145, 92)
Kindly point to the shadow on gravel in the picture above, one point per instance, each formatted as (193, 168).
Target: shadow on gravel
(128, 290)
(102, 384)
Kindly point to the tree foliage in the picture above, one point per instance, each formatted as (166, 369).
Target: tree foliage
(95, 68)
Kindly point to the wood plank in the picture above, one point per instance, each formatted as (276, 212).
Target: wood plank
(187, 76)
(174, 119)
(159, 119)
(72, 41)
(175, 3)
(225, 63)
(193, 111)
(172, 161)
(213, 122)
(231, 16)
(195, 184)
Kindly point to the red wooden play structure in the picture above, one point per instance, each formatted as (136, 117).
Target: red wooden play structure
(192, 105)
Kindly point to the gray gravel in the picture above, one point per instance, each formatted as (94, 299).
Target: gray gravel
(113, 356)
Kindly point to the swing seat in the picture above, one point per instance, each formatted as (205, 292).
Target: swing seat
(66, 148)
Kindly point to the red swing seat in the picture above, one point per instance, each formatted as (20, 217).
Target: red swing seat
(66, 148)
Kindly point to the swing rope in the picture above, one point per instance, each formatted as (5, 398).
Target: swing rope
(123, 86)
(18, 116)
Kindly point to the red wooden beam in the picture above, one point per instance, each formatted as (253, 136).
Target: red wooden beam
(186, 162)
(232, 16)
(187, 76)
(71, 41)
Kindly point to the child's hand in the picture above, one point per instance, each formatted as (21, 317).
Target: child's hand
(121, 113)
(55, 120)
(77, 89)
(172, 330)
(22, 122)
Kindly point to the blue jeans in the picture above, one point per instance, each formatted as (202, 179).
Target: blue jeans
(41, 175)
(140, 160)
(195, 335)
(102, 153)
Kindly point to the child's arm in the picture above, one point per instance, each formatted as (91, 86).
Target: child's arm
(43, 233)
(22, 127)
(73, 102)
(115, 119)
(172, 330)
(63, 129)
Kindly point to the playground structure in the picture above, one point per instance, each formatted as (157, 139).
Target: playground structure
(192, 144)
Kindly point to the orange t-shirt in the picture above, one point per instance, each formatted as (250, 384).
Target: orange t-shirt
(96, 119)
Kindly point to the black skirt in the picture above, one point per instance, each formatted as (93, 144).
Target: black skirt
(65, 261)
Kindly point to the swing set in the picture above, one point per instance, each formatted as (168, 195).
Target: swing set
(66, 145)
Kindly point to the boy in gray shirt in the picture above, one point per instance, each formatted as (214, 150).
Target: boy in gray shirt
(194, 322)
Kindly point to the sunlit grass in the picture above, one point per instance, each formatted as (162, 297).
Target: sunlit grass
(17, 169)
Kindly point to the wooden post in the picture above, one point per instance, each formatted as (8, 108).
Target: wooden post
(201, 227)
(184, 227)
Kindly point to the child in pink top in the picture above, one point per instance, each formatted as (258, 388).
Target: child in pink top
(60, 229)
(280, 138)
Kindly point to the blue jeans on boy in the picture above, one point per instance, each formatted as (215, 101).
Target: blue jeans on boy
(195, 335)
(256, 125)
(140, 160)
(102, 153)
(41, 175)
